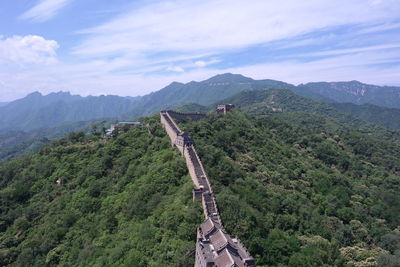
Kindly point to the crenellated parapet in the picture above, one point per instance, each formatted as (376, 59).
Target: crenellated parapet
(214, 247)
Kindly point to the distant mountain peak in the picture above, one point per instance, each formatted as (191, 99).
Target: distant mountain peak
(34, 94)
(229, 77)
(174, 84)
(61, 93)
(37, 94)
(353, 82)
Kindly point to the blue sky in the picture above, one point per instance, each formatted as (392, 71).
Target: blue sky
(134, 47)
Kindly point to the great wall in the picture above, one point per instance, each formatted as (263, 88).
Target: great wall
(214, 246)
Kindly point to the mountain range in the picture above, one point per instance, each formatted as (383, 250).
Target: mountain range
(43, 111)
(37, 111)
(36, 118)
(356, 92)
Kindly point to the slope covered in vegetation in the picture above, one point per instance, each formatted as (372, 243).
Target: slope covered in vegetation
(18, 143)
(300, 186)
(122, 202)
(388, 117)
(303, 196)
(285, 102)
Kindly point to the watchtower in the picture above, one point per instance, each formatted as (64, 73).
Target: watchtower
(224, 108)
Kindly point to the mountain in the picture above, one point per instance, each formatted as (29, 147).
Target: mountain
(203, 93)
(281, 100)
(37, 111)
(193, 108)
(356, 92)
(17, 143)
(388, 117)
(36, 116)
(296, 195)
(3, 104)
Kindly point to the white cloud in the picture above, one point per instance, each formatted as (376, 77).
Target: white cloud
(364, 67)
(381, 27)
(202, 63)
(27, 49)
(175, 69)
(123, 55)
(99, 76)
(222, 25)
(44, 10)
(350, 50)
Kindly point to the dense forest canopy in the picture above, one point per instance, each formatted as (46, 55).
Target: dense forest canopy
(303, 196)
(89, 202)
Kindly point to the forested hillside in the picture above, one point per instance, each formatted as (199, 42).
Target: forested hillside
(388, 117)
(303, 196)
(17, 143)
(299, 181)
(297, 188)
(121, 202)
(366, 118)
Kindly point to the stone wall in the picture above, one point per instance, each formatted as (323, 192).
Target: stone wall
(232, 254)
(194, 165)
(168, 125)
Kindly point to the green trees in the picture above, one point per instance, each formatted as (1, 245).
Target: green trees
(84, 201)
(300, 191)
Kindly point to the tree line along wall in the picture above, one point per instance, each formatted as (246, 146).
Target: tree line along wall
(214, 247)
(186, 116)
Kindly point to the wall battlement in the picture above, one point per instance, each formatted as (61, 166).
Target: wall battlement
(214, 247)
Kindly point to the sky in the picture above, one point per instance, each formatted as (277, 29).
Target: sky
(130, 48)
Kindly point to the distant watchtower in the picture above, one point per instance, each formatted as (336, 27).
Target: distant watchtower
(224, 108)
